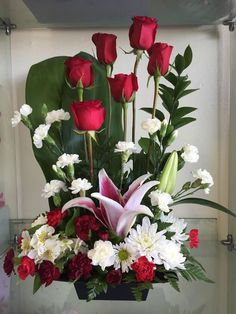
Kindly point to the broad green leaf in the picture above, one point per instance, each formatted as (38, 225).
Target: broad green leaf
(159, 115)
(181, 112)
(144, 143)
(37, 283)
(182, 122)
(70, 226)
(204, 202)
(180, 87)
(179, 64)
(168, 101)
(186, 92)
(188, 56)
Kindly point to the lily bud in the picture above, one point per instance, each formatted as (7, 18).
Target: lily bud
(57, 200)
(59, 172)
(71, 171)
(168, 176)
(172, 137)
(163, 128)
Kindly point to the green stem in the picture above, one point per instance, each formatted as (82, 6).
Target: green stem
(138, 58)
(191, 193)
(80, 93)
(125, 107)
(90, 154)
(109, 73)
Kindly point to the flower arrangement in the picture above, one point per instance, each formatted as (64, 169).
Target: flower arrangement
(111, 219)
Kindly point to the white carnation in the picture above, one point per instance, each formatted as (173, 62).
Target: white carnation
(205, 178)
(190, 153)
(56, 116)
(67, 159)
(80, 184)
(16, 119)
(25, 110)
(53, 187)
(102, 254)
(40, 134)
(151, 125)
(161, 199)
(40, 220)
(122, 147)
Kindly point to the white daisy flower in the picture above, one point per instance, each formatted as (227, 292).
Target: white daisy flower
(205, 178)
(16, 119)
(161, 199)
(56, 116)
(125, 147)
(151, 125)
(40, 134)
(125, 255)
(190, 153)
(67, 159)
(25, 110)
(102, 254)
(53, 187)
(80, 184)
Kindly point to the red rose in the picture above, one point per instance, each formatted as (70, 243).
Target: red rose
(103, 235)
(193, 238)
(55, 217)
(114, 277)
(79, 70)
(142, 32)
(84, 225)
(48, 272)
(26, 267)
(79, 267)
(106, 47)
(145, 270)
(159, 58)
(88, 115)
(8, 264)
(123, 87)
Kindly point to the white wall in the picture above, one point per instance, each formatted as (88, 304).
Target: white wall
(31, 46)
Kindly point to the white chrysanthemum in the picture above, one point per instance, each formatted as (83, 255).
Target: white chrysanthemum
(171, 256)
(16, 119)
(80, 185)
(102, 254)
(40, 134)
(25, 243)
(205, 178)
(151, 125)
(145, 239)
(125, 147)
(67, 159)
(161, 199)
(53, 187)
(80, 246)
(190, 153)
(125, 255)
(177, 226)
(40, 220)
(56, 116)
(25, 110)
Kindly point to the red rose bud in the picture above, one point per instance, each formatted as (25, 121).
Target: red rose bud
(8, 264)
(88, 115)
(193, 238)
(123, 87)
(145, 270)
(159, 58)
(79, 267)
(79, 70)
(48, 272)
(114, 277)
(26, 267)
(106, 47)
(55, 217)
(142, 32)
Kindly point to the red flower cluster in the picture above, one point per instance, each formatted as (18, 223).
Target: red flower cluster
(8, 264)
(79, 267)
(145, 270)
(114, 277)
(48, 272)
(194, 238)
(26, 267)
(55, 217)
(84, 225)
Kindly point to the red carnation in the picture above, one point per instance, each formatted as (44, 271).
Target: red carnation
(103, 235)
(26, 267)
(145, 270)
(114, 277)
(79, 71)
(79, 267)
(194, 238)
(84, 224)
(8, 264)
(55, 217)
(48, 272)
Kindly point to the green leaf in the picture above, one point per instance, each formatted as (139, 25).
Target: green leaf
(170, 77)
(37, 283)
(144, 143)
(186, 92)
(194, 272)
(137, 291)
(70, 226)
(181, 112)
(188, 56)
(179, 64)
(159, 115)
(95, 287)
(182, 122)
(180, 87)
(168, 101)
(204, 202)
(173, 280)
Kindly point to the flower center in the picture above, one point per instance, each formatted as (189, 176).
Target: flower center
(146, 241)
(25, 246)
(123, 255)
(42, 236)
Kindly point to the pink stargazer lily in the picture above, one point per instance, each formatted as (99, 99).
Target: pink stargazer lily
(115, 211)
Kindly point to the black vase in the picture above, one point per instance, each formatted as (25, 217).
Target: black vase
(120, 292)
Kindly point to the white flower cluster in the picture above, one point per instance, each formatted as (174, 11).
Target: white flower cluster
(125, 147)
(161, 199)
(25, 111)
(190, 153)
(67, 160)
(53, 187)
(40, 133)
(205, 178)
(80, 185)
(151, 125)
(143, 241)
(57, 116)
